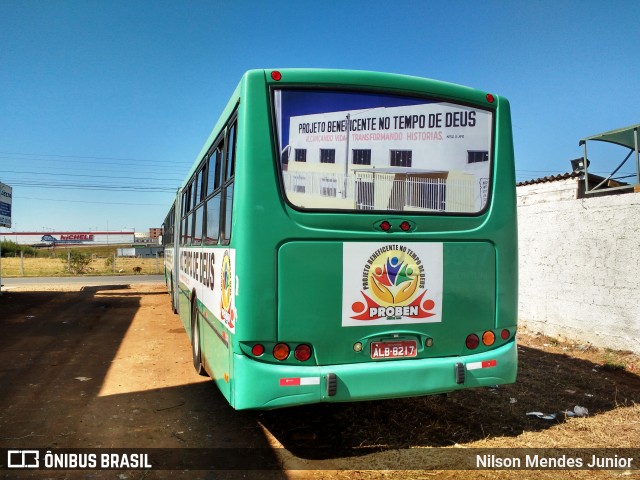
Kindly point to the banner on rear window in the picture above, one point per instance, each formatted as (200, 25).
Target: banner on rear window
(391, 283)
(367, 151)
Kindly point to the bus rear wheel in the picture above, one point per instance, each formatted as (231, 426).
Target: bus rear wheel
(196, 351)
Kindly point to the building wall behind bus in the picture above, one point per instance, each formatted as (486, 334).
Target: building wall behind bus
(579, 263)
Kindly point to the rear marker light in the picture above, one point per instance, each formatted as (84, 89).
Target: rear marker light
(405, 226)
(472, 341)
(276, 75)
(488, 338)
(490, 98)
(386, 226)
(257, 350)
(480, 365)
(281, 351)
(302, 352)
(505, 334)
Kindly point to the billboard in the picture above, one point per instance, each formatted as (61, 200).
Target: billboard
(5, 205)
(41, 239)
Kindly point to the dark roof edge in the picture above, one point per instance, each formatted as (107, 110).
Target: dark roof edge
(550, 178)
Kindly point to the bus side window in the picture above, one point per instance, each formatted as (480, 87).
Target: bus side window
(215, 160)
(231, 152)
(213, 220)
(203, 182)
(213, 194)
(198, 225)
(196, 188)
(218, 172)
(199, 194)
(228, 183)
(184, 226)
(186, 201)
(167, 227)
(185, 230)
(228, 209)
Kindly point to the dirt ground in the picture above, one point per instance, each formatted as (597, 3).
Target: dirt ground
(110, 367)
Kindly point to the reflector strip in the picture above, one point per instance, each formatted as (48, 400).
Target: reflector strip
(295, 382)
(479, 365)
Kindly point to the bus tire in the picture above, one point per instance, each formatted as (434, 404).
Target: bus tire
(196, 351)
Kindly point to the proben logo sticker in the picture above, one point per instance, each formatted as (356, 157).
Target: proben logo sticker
(391, 283)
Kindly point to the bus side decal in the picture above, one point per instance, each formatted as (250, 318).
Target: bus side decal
(212, 273)
(227, 289)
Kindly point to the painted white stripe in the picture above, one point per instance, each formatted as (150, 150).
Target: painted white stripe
(310, 381)
(474, 365)
(485, 364)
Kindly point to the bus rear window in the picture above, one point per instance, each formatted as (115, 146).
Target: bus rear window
(345, 150)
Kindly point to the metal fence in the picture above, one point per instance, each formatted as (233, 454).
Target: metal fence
(383, 191)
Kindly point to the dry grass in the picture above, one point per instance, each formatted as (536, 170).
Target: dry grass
(38, 267)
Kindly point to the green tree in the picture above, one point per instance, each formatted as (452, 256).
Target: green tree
(78, 261)
(12, 249)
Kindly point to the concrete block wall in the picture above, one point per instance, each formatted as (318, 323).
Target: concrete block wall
(579, 264)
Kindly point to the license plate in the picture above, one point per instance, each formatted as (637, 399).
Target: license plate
(400, 349)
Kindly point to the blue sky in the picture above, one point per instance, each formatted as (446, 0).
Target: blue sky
(97, 94)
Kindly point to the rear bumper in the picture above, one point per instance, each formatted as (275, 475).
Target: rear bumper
(263, 386)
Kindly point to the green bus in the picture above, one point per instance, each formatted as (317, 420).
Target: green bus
(346, 236)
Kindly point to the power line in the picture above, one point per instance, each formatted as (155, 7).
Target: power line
(173, 162)
(128, 165)
(113, 188)
(83, 201)
(95, 176)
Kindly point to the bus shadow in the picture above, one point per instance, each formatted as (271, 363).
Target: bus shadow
(189, 427)
(110, 367)
(547, 382)
(93, 289)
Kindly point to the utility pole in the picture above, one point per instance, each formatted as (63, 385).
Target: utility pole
(346, 158)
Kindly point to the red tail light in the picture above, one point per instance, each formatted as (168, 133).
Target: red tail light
(405, 226)
(505, 334)
(257, 349)
(302, 352)
(386, 226)
(472, 341)
(276, 75)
